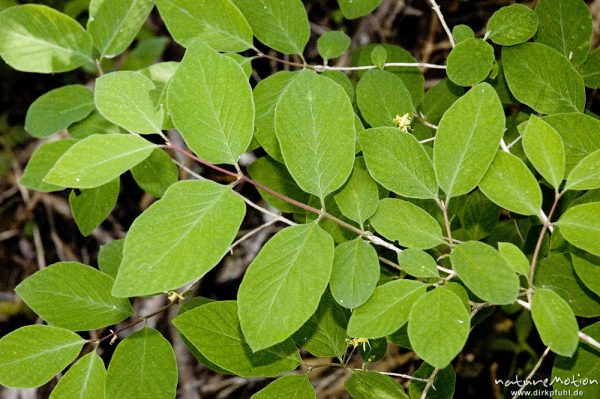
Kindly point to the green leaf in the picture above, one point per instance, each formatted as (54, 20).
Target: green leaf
(514, 257)
(555, 321)
(485, 272)
(93, 124)
(580, 133)
(444, 383)
(512, 25)
(387, 310)
(91, 206)
(110, 256)
(355, 273)
(214, 330)
(479, 216)
(275, 176)
(398, 162)
(42, 160)
(179, 229)
(57, 109)
(358, 198)
(542, 78)
(98, 159)
(30, 356)
(142, 366)
(74, 296)
(379, 56)
(462, 32)
(373, 385)
(324, 334)
(281, 25)
(125, 98)
(343, 80)
(438, 326)
(587, 267)
(289, 386)
(314, 122)
(509, 183)
(565, 25)
(204, 92)
(114, 24)
(84, 380)
(586, 174)
(591, 70)
(584, 363)
(467, 139)
(556, 273)
(417, 263)
(267, 94)
(381, 96)
(405, 222)
(412, 77)
(36, 38)
(355, 9)
(580, 225)
(156, 173)
(470, 62)
(146, 53)
(438, 99)
(298, 261)
(545, 149)
(332, 44)
(218, 23)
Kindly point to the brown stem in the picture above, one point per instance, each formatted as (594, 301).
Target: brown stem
(538, 245)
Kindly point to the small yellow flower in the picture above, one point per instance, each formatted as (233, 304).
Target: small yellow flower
(403, 122)
(355, 342)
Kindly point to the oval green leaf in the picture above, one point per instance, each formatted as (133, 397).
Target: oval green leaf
(298, 261)
(58, 109)
(204, 92)
(438, 326)
(467, 139)
(555, 321)
(98, 159)
(387, 310)
(485, 272)
(512, 25)
(355, 273)
(542, 78)
(510, 184)
(214, 330)
(289, 386)
(126, 99)
(281, 25)
(586, 174)
(470, 62)
(314, 123)
(37, 38)
(179, 229)
(73, 296)
(405, 222)
(218, 23)
(142, 366)
(580, 225)
(545, 149)
(398, 162)
(84, 380)
(30, 356)
(373, 385)
(91, 206)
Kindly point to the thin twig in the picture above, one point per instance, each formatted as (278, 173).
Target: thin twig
(429, 383)
(406, 376)
(436, 9)
(532, 373)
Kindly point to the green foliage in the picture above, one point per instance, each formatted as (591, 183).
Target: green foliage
(31, 355)
(58, 109)
(143, 366)
(512, 25)
(390, 239)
